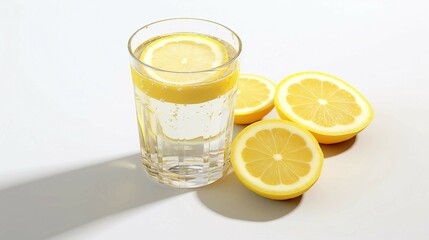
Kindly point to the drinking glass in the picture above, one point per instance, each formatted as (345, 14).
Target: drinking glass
(185, 119)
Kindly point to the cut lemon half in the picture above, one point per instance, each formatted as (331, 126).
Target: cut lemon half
(276, 158)
(255, 98)
(332, 110)
(184, 58)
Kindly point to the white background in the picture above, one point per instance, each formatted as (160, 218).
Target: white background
(69, 164)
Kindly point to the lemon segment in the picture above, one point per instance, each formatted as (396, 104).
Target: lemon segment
(276, 159)
(332, 110)
(255, 98)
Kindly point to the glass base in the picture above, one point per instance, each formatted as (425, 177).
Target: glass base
(186, 176)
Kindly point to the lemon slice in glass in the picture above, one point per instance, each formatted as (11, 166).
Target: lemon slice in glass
(184, 58)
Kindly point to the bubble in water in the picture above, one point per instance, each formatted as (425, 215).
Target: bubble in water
(162, 100)
(180, 89)
(164, 87)
(153, 84)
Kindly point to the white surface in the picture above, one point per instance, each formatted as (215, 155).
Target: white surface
(69, 145)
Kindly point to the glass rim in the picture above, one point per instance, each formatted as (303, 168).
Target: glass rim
(229, 62)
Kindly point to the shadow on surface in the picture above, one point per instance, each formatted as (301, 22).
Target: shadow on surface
(230, 198)
(237, 129)
(49, 206)
(330, 150)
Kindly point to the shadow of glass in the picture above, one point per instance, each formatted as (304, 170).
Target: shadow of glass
(237, 129)
(49, 206)
(330, 150)
(230, 198)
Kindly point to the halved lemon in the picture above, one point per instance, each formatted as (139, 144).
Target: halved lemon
(276, 158)
(332, 110)
(255, 98)
(184, 54)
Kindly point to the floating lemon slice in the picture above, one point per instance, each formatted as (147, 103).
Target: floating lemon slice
(332, 110)
(182, 55)
(255, 98)
(185, 68)
(276, 158)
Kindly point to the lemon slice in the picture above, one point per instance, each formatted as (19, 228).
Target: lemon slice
(328, 107)
(184, 54)
(185, 68)
(255, 98)
(276, 158)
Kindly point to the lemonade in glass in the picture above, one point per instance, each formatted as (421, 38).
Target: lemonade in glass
(184, 72)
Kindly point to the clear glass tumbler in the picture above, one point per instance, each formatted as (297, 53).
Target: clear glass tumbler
(185, 118)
